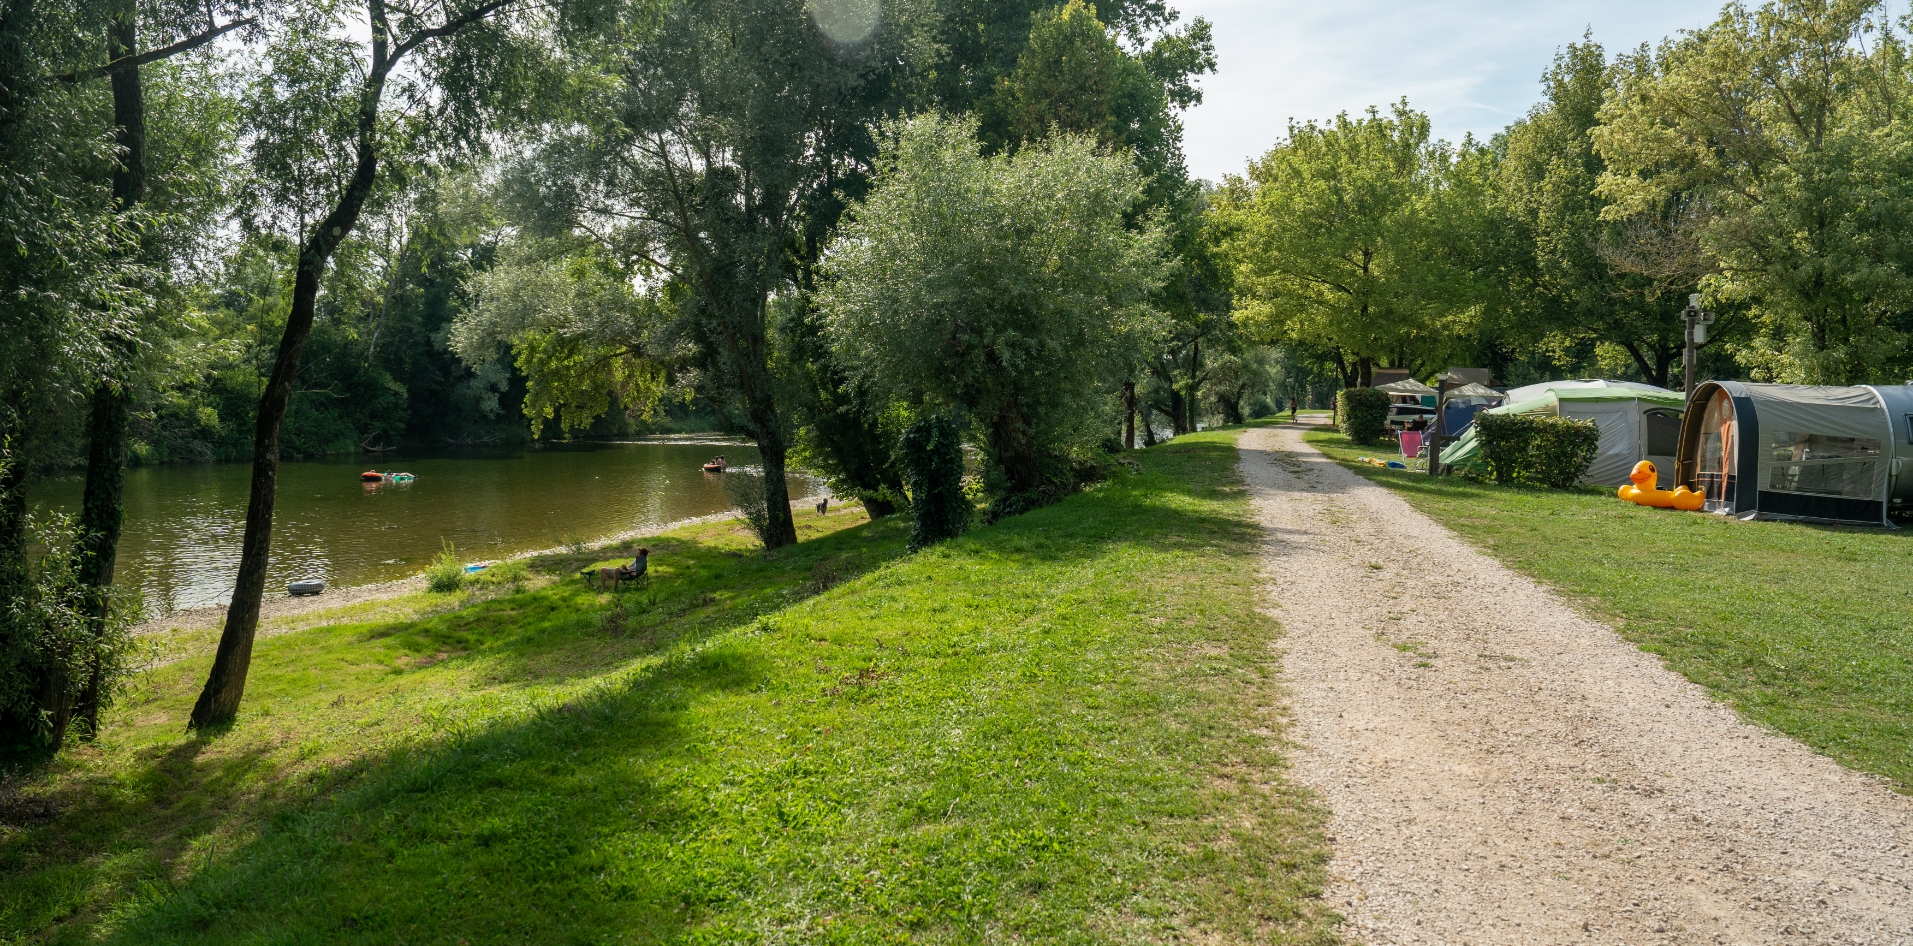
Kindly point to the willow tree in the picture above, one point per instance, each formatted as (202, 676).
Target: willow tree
(1006, 286)
(710, 171)
(1342, 238)
(319, 127)
(1789, 126)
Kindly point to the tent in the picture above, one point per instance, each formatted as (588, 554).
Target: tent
(1460, 405)
(1637, 422)
(1410, 391)
(1793, 451)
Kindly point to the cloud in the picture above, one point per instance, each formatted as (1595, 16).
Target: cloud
(1472, 65)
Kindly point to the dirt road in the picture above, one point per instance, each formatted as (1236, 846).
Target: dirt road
(1503, 770)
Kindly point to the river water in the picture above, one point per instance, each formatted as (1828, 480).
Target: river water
(184, 523)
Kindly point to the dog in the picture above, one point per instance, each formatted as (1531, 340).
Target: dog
(823, 505)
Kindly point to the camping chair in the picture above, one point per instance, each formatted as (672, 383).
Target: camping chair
(1413, 444)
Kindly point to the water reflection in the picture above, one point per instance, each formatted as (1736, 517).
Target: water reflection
(184, 523)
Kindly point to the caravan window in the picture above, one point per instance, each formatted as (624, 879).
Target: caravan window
(1821, 465)
(1663, 433)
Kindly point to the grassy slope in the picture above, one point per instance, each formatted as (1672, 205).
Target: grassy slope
(1807, 629)
(1059, 729)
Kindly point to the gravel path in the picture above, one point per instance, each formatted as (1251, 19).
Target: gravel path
(1503, 770)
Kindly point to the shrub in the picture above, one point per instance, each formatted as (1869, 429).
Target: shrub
(749, 496)
(1504, 443)
(58, 668)
(932, 453)
(1538, 449)
(1561, 451)
(446, 573)
(1363, 412)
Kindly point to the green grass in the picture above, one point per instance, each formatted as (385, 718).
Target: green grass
(1063, 728)
(1807, 629)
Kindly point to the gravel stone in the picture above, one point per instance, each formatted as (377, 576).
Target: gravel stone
(1502, 769)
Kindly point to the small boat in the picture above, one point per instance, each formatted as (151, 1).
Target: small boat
(307, 586)
(713, 467)
(403, 477)
(475, 568)
(371, 476)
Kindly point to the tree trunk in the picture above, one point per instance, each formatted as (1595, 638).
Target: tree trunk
(1129, 415)
(1014, 449)
(1366, 368)
(1192, 398)
(1148, 427)
(219, 702)
(19, 728)
(101, 511)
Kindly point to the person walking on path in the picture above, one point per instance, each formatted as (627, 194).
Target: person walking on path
(1500, 769)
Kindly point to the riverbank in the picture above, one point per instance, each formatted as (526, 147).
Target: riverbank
(1062, 728)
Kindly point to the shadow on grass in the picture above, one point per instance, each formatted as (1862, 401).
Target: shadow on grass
(600, 818)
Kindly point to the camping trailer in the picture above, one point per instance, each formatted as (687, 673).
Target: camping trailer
(1637, 422)
(1790, 451)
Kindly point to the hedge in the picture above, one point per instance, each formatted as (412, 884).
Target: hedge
(1363, 413)
(1538, 449)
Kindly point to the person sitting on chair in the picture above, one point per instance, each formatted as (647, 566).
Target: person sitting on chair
(638, 567)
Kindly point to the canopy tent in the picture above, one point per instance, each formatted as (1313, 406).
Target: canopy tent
(1790, 451)
(1637, 422)
(1472, 390)
(1409, 387)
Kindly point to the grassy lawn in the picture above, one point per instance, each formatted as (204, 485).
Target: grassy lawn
(1807, 629)
(1063, 728)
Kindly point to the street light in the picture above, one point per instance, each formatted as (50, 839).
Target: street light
(1697, 322)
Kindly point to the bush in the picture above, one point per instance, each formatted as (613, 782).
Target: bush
(748, 495)
(1363, 413)
(1537, 449)
(58, 668)
(1562, 450)
(446, 573)
(932, 450)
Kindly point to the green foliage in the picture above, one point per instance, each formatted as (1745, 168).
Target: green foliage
(932, 452)
(1349, 237)
(1362, 413)
(446, 572)
(844, 433)
(1006, 285)
(48, 649)
(1537, 449)
(1786, 125)
(1618, 283)
(748, 494)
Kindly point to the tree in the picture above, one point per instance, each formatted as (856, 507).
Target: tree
(1787, 125)
(1005, 285)
(712, 173)
(1580, 284)
(1341, 237)
(71, 285)
(318, 134)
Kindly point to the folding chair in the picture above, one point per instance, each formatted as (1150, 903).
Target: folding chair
(1414, 450)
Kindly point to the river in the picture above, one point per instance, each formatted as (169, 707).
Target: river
(180, 548)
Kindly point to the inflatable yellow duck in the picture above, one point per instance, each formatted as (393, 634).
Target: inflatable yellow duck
(1643, 491)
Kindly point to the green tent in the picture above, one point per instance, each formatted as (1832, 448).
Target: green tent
(1637, 422)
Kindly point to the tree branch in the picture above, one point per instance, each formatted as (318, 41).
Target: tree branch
(154, 55)
(450, 26)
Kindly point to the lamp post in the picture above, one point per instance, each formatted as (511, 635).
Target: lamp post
(1697, 322)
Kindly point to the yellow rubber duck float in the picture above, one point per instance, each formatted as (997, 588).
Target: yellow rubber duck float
(1643, 491)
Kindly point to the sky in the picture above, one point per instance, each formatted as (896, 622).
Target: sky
(1472, 65)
